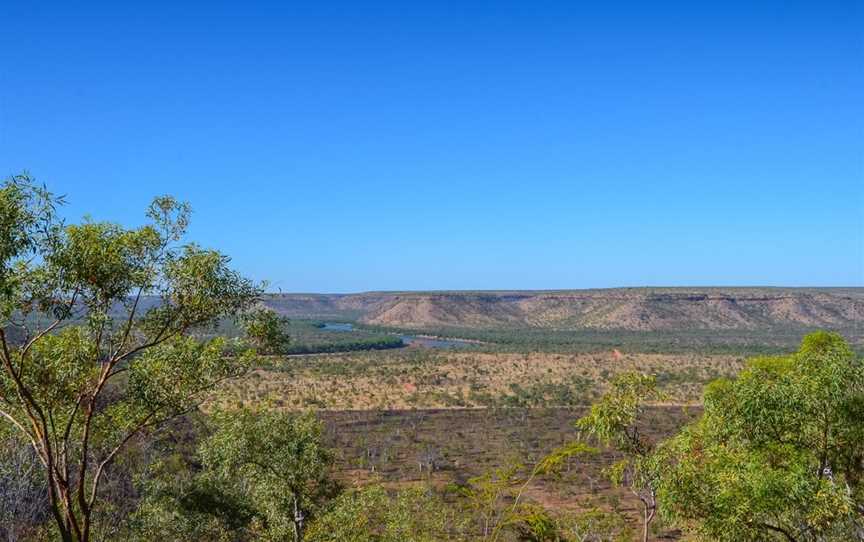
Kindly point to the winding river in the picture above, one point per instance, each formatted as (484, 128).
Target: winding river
(408, 340)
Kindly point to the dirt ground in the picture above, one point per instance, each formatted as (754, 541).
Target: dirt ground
(449, 446)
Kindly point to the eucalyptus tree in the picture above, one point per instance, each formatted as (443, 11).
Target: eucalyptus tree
(96, 339)
(265, 330)
(256, 476)
(613, 422)
(373, 514)
(778, 453)
(277, 462)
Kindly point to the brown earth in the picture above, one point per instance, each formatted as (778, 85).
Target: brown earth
(442, 447)
(633, 309)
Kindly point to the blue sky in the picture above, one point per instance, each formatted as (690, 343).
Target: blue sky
(406, 145)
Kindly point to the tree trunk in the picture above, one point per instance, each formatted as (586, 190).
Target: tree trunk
(645, 524)
(649, 509)
(647, 515)
(68, 526)
(61, 520)
(298, 521)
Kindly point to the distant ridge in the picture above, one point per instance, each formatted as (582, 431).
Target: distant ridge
(634, 309)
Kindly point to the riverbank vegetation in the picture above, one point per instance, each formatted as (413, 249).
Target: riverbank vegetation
(741, 342)
(278, 335)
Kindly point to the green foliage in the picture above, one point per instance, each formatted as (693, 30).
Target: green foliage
(176, 375)
(266, 331)
(535, 524)
(582, 340)
(263, 475)
(346, 344)
(281, 460)
(87, 365)
(186, 507)
(554, 462)
(594, 525)
(613, 422)
(371, 514)
(496, 501)
(485, 495)
(279, 335)
(778, 452)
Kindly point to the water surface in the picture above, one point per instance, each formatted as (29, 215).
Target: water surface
(407, 340)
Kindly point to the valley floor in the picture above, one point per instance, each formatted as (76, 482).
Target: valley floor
(418, 416)
(419, 378)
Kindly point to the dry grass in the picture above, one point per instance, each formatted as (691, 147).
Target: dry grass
(423, 379)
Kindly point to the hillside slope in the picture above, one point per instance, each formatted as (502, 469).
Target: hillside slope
(635, 309)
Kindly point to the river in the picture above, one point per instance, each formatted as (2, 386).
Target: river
(408, 340)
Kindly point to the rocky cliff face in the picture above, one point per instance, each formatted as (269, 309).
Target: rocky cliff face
(637, 309)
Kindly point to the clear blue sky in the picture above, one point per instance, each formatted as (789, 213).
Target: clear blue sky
(360, 146)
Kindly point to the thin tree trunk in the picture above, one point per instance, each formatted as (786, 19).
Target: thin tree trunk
(60, 519)
(645, 524)
(298, 521)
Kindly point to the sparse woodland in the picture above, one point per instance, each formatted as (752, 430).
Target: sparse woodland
(129, 420)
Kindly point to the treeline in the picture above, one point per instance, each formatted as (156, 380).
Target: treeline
(312, 337)
(368, 343)
(273, 334)
(734, 342)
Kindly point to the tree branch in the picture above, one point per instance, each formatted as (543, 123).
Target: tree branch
(780, 530)
(155, 342)
(21, 427)
(129, 322)
(49, 329)
(102, 464)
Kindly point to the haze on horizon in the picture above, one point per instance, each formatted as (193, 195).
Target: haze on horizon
(349, 148)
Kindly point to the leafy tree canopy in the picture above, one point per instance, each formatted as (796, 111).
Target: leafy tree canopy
(266, 330)
(96, 336)
(263, 476)
(372, 514)
(778, 452)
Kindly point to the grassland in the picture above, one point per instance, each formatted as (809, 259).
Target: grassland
(418, 378)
